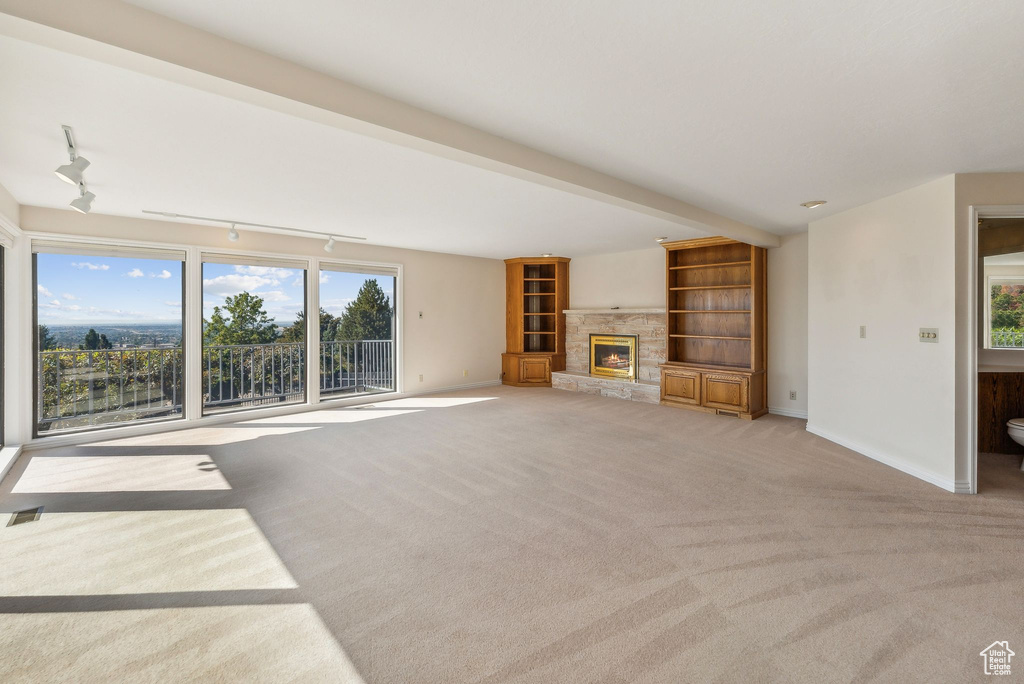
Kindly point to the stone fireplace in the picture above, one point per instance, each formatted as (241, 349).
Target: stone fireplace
(645, 326)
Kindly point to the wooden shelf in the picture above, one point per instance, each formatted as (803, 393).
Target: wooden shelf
(745, 286)
(709, 311)
(530, 332)
(724, 263)
(538, 294)
(538, 280)
(539, 314)
(712, 337)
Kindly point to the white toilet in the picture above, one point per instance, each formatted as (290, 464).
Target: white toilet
(1015, 427)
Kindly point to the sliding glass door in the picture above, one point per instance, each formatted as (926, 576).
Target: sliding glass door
(108, 336)
(254, 333)
(357, 330)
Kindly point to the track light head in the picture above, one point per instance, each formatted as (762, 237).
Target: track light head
(233, 234)
(329, 247)
(84, 202)
(72, 173)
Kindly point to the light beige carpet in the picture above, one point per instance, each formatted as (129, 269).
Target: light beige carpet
(502, 535)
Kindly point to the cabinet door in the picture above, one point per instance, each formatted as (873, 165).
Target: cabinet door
(535, 369)
(682, 387)
(728, 392)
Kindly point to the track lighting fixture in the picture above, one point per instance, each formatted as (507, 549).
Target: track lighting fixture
(84, 202)
(284, 229)
(329, 247)
(72, 173)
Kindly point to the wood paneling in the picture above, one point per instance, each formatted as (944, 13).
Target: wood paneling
(1000, 398)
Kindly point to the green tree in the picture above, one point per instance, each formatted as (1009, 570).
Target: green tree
(242, 320)
(296, 332)
(368, 317)
(46, 340)
(105, 343)
(92, 339)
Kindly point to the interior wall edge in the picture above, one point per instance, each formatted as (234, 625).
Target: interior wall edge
(929, 476)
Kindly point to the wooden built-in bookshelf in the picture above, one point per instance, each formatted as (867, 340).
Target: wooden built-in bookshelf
(536, 295)
(716, 357)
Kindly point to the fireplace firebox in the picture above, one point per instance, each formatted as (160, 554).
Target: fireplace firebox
(614, 356)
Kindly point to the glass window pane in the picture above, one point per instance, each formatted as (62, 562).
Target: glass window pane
(108, 339)
(253, 336)
(357, 333)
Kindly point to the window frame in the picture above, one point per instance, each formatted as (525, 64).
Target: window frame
(250, 259)
(366, 268)
(194, 256)
(991, 280)
(71, 248)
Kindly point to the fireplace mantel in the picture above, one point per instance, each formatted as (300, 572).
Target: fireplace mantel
(583, 312)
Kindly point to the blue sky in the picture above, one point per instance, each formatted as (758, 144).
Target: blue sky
(87, 290)
(93, 290)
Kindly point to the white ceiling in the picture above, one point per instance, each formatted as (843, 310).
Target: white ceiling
(743, 107)
(158, 145)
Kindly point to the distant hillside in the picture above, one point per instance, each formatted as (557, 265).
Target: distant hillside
(119, 334)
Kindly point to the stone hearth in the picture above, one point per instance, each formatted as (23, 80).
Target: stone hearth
(648, 324)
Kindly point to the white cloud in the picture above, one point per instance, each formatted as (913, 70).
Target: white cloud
(274, 296)
(266, 271)
(65, 295)
(174, 304)
(135, 273)
(324, 277)
(43, 291)
(89, 266)
(163, 275)
(298, 282)
(232, 284)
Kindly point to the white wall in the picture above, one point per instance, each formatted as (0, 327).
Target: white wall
(787, 326)
(888, 265)
(637, 280)
(628, 280)
(462, 298)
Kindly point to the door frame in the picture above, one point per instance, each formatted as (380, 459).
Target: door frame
(974, 276)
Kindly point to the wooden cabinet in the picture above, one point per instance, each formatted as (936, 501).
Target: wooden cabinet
(536, 296)
(680, 386)
(535, 369)
(716, 357)
(727, 392)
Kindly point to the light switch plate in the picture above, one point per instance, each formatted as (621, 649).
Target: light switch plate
(930, 335)
(863, 331)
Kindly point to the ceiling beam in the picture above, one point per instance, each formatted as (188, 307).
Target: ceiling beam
(130, 37)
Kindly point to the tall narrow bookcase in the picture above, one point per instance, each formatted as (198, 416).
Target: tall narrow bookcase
(536, 297)
(716, 353)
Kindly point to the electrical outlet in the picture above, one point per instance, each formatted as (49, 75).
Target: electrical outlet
(792, 395)
(929, 335)
(421, 377)
(465, 373)
(863, 331)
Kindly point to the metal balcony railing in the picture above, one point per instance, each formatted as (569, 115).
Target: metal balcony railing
(357, 366)
(1007, 339)
(86, 388)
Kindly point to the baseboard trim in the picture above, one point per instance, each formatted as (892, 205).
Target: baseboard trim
(899, 464)
(789, 413)
(8, 455)
(453, 388)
